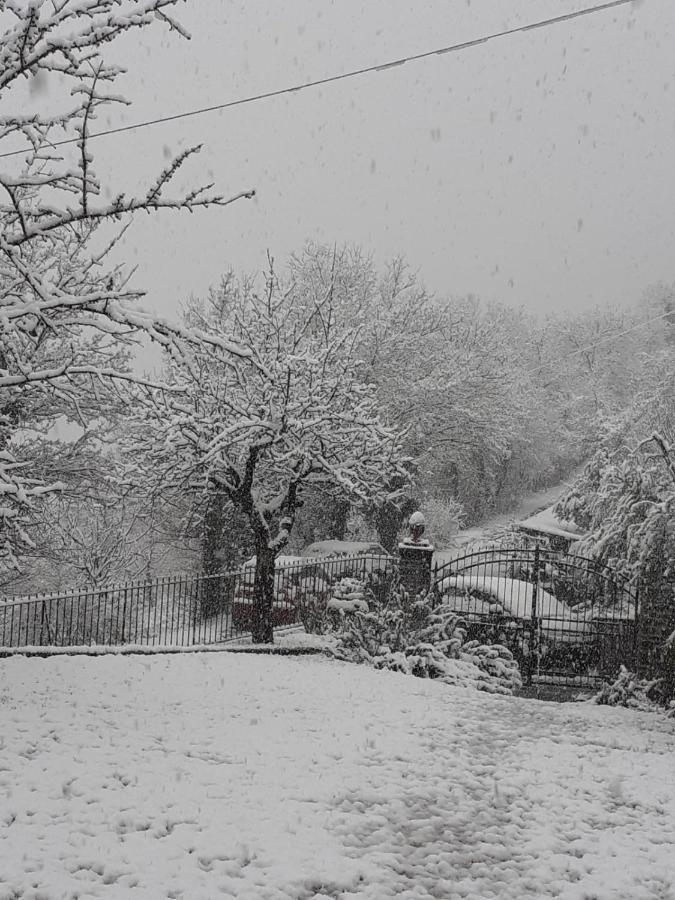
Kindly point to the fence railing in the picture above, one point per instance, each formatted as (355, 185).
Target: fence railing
(564, 618)
(175, 610)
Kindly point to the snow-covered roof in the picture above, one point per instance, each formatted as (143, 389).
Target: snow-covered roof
(546, 522)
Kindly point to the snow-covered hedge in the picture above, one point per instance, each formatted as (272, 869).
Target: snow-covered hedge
(325, 609)
(414, 636)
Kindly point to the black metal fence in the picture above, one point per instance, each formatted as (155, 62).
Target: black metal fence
(566, 619)
(177, 610)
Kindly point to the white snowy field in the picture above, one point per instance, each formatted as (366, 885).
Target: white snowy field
(227, 775)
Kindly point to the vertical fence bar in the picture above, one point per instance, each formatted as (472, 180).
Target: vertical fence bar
(168, 615)
(93, 637)
(124, 616)
(70, 621)
(196, 590)
(153, 601)
(43, 622)
(134, 612)
(216, 617)
(168, 611)
(162, 624)
(181, 611)
(56, 623)
(187, 610)
(534, 617)
(171, 634)
(636, 628)
(18, 637)
(94, 608)
(165, 610)
(184, 595)
(142, 608)
(204, 588)
(193, 610)
(175, 612)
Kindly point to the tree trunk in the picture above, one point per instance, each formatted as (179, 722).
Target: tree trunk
(211, 599)
(262, 631)
(388, 520)
(341, 510)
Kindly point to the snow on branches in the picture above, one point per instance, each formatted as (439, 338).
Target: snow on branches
(625, 501)
(64, 36)
(259, 430)
(294, 411)
(66, 314)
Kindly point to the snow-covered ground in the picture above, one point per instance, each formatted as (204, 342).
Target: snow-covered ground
(199, 776)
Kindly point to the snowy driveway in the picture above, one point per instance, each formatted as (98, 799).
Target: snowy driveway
(217, 775)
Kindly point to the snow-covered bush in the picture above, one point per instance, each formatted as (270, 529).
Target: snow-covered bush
(349, 595)
(311, 599)
(325, 608)
(633, 692)
(416, 636)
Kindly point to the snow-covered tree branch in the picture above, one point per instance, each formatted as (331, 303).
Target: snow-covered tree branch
(295, 415)
(67, 316)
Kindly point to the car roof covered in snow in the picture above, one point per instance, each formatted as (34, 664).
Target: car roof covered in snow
(344, 548)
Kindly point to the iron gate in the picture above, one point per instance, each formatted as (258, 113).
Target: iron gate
(566, 619)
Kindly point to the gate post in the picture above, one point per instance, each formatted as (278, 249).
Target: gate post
(534, 621)
(414, 558)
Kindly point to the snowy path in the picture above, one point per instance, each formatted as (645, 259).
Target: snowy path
(218, 775)
(475, 536)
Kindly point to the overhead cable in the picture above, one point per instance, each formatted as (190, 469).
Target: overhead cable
(366, 70)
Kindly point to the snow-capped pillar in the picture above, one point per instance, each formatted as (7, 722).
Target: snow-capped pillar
(414, 558)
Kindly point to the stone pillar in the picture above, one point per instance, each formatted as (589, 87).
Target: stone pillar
(414, 561)
(414, 555)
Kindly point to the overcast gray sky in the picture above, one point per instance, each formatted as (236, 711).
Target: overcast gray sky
(537, 169)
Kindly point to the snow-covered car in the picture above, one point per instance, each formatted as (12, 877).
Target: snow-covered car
(295, 578)
(593, 637)
(351, 559)
(345, 548)
(307, 582)
(500, 599)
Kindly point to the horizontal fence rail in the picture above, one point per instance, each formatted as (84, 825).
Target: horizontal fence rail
(177, 610)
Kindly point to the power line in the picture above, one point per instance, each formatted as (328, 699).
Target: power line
(380, 67)
(603, 340)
